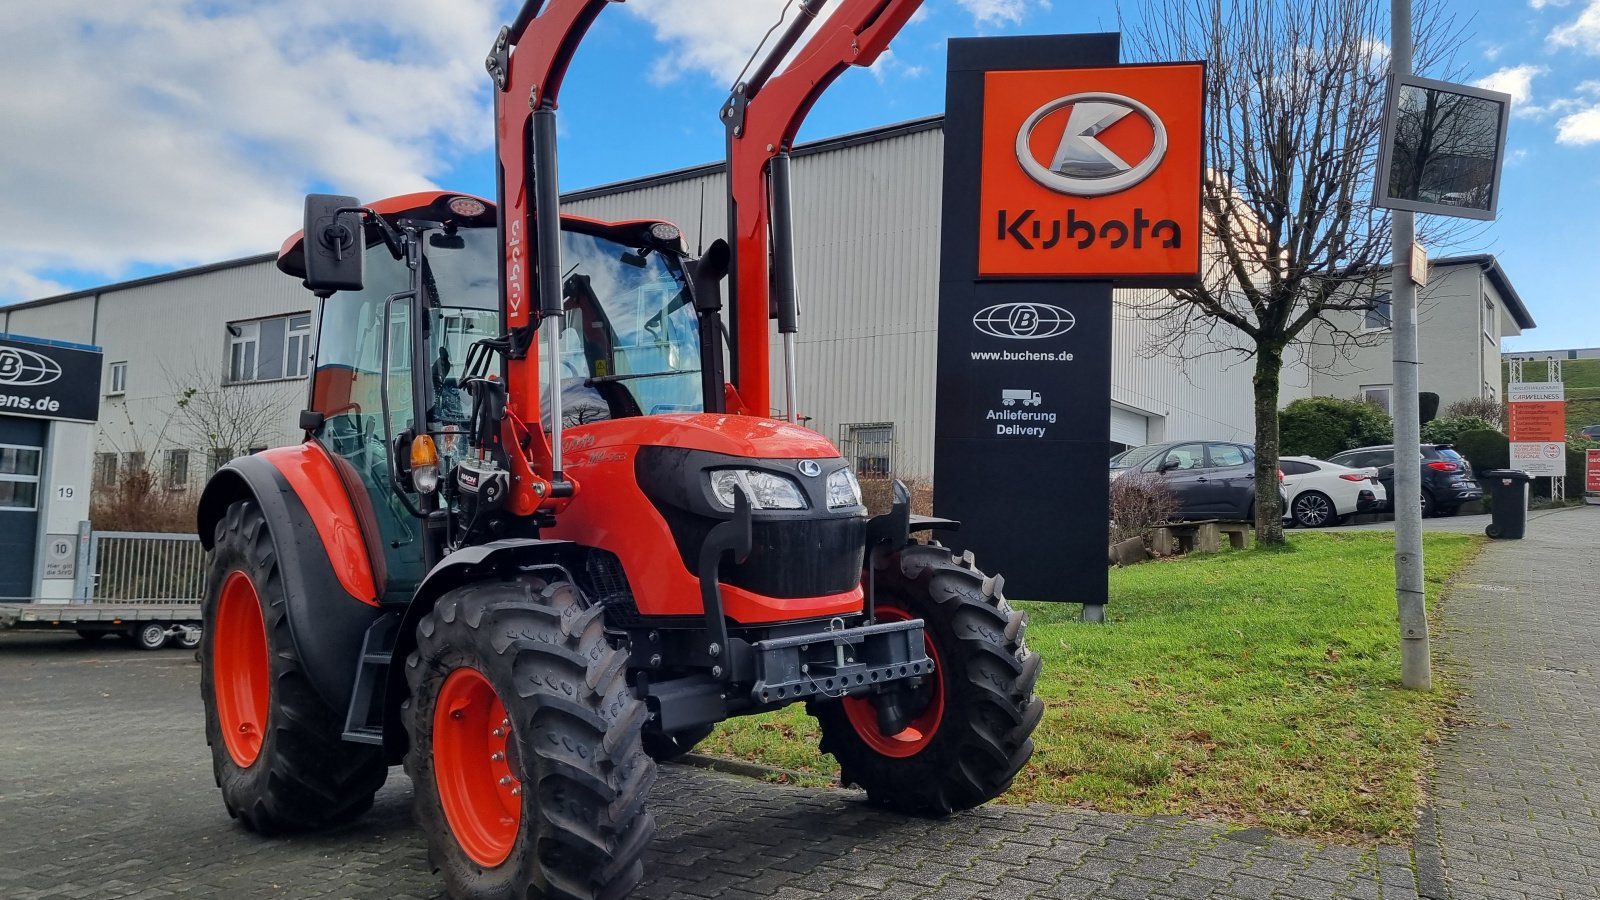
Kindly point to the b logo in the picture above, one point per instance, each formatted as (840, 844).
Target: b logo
(1023, 321)
(1082, 166)
(26, 368)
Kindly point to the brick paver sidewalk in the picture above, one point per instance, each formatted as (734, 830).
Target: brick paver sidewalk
(105, 791)
(1517, 808)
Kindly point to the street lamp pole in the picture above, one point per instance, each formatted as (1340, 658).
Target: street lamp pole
(1416, 669)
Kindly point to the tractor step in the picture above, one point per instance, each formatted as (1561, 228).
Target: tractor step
(363, 721)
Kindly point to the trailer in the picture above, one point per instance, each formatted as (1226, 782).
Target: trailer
(149, 625)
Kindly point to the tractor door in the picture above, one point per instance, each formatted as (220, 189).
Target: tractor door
(347, 387)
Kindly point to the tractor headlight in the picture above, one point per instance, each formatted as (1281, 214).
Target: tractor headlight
(766, 490)
(843, 489)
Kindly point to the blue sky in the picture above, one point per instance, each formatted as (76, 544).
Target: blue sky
(149, 135)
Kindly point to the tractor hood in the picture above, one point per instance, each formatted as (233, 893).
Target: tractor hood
(729, 435)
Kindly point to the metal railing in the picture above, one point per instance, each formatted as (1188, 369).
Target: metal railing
(140, 567)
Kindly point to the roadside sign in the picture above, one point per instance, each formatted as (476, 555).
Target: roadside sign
(1092, 173)
(1591, 471)
(1442, 148)
(1538, 427)
(60, 556)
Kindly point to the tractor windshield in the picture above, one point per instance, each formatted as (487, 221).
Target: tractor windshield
(630, 342)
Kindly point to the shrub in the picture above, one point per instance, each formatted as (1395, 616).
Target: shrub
(877, 494)
(138, 502)
(1449, 428)
(1323, 426)
(1485, 449)
(1427, 407)
(1491, 411)
(1140, 502)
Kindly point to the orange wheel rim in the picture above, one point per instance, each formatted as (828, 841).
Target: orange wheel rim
(919, 732)
(239, 672)
(472, 743)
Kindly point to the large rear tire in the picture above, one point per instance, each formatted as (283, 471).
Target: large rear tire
(276, 748)
(970, 733)
(525, 746)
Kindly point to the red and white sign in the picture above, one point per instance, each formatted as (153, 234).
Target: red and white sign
(1591, 471)
(1538, 427)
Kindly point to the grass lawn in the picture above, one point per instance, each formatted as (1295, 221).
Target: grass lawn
(1259, 686)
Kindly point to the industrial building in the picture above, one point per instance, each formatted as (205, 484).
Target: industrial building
(209, 362)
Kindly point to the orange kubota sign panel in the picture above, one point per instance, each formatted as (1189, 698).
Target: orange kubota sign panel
(1091, 173)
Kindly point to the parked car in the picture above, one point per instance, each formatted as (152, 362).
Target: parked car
(1213, 479)
(1323, 493)
(1447, 480)
(1592, 432)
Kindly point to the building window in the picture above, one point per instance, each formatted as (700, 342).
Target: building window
(870, 449)
(177, 470)
(269, 349)
(216, 458)
(105, 470)
(1378, 395)
(1488, 391)
(118, 379)
(133, 463)
(1488, 318)
(19, 477)
(1377, 316)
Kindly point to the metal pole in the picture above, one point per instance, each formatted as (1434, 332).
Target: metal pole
(1416, 671)
(783, 280)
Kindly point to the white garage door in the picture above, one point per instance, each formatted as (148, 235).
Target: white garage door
(1129, 427)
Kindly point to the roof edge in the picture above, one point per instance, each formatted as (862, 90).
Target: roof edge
(141, 282)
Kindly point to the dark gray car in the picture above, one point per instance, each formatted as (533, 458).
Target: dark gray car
(1213, 479)
(1447, 480)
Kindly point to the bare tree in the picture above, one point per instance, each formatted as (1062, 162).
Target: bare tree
(227, 419)
(1294, 103)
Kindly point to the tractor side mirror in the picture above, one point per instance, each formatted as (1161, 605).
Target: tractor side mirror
(1168, 465)
(333, 242)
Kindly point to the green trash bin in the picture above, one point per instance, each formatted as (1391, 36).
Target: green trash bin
(1509, 509)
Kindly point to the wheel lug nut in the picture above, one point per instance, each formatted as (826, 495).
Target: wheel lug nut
(505, 779)
(499, 733)
(496, 756)
(516, 791)
(505, 723)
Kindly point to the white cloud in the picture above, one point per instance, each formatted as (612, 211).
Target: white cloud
(716, 37)
(148, 131)
(1541, 4)
(1001, 12)
(1514, 80)
(1583, 32)
(1580, 128)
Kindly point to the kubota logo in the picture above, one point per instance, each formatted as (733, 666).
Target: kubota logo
(25, 368)
(1082, 165)
(1023, 321)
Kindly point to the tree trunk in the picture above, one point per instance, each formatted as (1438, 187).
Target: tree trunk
(1269, 503)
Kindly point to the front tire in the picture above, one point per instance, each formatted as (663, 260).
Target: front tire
(277, 749)
(971, 733)
(525, 746)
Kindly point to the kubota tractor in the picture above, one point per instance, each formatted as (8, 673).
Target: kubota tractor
(536, 539)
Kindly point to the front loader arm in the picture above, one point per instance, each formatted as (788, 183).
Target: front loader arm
(761, 118)
(528, 62)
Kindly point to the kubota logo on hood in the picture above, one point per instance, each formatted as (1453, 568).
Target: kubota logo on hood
(25, 368)
(1082, 165)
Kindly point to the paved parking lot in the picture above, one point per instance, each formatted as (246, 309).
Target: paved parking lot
(107, 792)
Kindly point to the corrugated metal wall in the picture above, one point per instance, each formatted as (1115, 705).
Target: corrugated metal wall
(867, 227)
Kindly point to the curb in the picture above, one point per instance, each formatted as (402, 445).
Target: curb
(741, 768)
(1431, 883)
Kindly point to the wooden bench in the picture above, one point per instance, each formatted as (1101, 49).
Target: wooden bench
(1199, 537)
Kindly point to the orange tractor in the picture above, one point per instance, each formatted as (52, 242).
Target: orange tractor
(537, 539)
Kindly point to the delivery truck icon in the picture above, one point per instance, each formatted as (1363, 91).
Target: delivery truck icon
(1028, 398)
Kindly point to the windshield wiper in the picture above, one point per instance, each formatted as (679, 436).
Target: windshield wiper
(629, 376)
